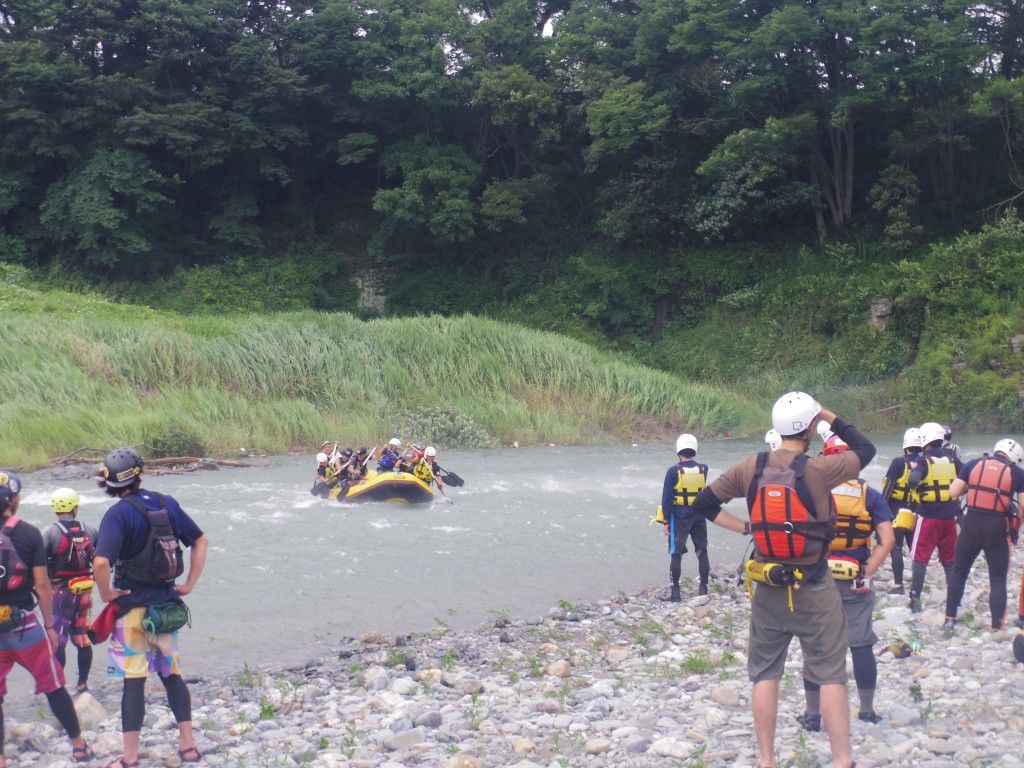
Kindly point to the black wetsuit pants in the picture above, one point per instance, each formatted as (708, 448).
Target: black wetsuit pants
(981, 532)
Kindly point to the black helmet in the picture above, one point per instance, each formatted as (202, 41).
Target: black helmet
(347, 452)
(10, 486)
(121, 467)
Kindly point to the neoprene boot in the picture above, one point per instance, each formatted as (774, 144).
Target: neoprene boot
(675, 597)
(703, 588)
(915, 602)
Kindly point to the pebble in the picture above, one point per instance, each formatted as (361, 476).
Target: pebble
(631, 680)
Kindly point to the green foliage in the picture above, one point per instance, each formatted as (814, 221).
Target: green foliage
(443, 427)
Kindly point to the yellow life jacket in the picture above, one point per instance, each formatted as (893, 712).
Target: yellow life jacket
(900, 492)
(935, 485)
(853, 521)
(423, 471)
(691, 482)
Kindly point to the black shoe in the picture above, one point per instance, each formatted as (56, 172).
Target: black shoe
(897, 590)
(915, 603)
(702, 589)
(809, 722)
(869, 717)
(948, 624)
(675, 597)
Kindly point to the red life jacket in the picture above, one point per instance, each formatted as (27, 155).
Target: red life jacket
(990, 486)
(782, 518)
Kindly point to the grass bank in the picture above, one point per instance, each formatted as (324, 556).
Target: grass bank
(82, 372)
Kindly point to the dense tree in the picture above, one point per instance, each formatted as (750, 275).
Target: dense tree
(519, 142)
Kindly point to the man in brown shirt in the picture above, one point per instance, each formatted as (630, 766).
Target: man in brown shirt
(812, 609)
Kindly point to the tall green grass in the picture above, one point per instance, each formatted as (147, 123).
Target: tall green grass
(112, 375)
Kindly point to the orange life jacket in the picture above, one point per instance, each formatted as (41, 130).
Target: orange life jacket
(782, 518)
(990, 486)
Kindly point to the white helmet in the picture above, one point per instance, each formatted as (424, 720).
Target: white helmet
(912, 438)
(321, 457)
(773, 438)
(930, 432)
(395, 442)
(824, 430)
(431, 451)
(794, 412)
(1011, 449)
(686, 441)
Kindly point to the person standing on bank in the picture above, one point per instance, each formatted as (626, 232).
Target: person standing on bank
(937, 511)
(991, 484)
(24, 639)
(126, 551)
(789, 499)
(861, 515)
(683, 481)
(70, 545)
(902, 500)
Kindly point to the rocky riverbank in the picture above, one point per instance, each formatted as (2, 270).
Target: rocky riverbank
(628, 681)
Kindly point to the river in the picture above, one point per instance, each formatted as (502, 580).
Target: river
(289, 576)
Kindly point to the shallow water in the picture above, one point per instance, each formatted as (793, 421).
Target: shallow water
(288, 576)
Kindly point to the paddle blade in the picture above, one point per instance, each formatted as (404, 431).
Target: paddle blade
(453, 480)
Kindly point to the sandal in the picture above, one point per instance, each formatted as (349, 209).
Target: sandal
(190, 755)
(122, 763)
(82, 754)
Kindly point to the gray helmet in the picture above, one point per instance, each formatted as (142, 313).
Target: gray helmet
(121, 467)
(10, 486)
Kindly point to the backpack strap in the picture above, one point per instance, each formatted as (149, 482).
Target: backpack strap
(762, 461)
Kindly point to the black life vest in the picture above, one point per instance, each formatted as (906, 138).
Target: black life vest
(160, 561)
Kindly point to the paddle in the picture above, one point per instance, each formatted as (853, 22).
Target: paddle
(450, 477)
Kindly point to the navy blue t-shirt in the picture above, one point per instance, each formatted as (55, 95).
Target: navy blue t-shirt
(123, 533)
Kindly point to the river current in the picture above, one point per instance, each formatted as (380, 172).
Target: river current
(290, 576)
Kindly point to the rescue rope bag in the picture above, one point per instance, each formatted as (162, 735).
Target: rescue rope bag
(782, 522)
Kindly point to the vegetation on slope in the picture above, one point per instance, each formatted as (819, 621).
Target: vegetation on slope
(79, 371)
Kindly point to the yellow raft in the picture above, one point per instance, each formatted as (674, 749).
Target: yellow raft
(394, 487)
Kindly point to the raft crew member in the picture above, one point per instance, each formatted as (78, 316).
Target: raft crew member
(683, 481)
(362, 460)
(70, 545)
(861, 512)
(26, 637)
(789, 499)
(426, 470)
(937, 511)
(902, 501)
(390, 456)
(325, 476)
(991, 485)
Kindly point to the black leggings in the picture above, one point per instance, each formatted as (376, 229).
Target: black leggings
(896, 556)
(84, 661)
(133, 701)
(981, 532)
(63, 709)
